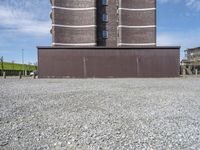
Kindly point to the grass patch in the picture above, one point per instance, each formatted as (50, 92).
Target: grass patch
(14, 66)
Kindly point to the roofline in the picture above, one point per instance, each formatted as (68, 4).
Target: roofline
(103, 47)
(193, 48)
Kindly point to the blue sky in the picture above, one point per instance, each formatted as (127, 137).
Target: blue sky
(25, 24)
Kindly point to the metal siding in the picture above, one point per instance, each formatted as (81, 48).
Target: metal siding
(122, 63)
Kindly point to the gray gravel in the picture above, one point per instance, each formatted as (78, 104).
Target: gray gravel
(100, 114)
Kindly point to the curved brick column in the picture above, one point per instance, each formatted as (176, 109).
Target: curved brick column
(70, 17)
(138, 3)
(74, 37)
(74, 22)
(137, 18)
(137, 23)
(138, 36)
(74, 3)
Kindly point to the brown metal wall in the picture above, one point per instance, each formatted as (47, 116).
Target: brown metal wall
(108, 62)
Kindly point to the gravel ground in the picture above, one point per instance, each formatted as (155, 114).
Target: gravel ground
(102, 114)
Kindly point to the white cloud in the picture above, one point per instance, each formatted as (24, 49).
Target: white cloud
(23, 21)
(192, 4)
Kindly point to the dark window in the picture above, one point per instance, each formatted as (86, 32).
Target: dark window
(104, 34)
(104, 17)
(104, 2)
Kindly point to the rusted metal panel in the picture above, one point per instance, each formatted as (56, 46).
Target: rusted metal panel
(108, 62)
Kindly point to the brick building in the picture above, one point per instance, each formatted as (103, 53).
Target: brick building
(191, 64)
(104, 22)
(112, 35)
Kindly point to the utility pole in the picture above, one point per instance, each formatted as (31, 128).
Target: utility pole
(13, 62)
(23, 61)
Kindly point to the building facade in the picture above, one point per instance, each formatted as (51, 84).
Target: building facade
(191, 64)
(193, 54)
(110, 23)
(106, 38)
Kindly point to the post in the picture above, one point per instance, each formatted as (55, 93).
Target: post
(184, 72)
(4, 75)
(84, 67)
(20, 75)
(196, 72)
(23, 62)
(2, 67)
(34, 76)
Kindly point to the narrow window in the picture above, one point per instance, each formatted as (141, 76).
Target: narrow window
(104, 34)
(104, 17)
(104, 2)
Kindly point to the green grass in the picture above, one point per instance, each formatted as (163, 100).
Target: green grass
(14, 66)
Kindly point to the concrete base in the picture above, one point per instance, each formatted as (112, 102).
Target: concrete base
(101, 62)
